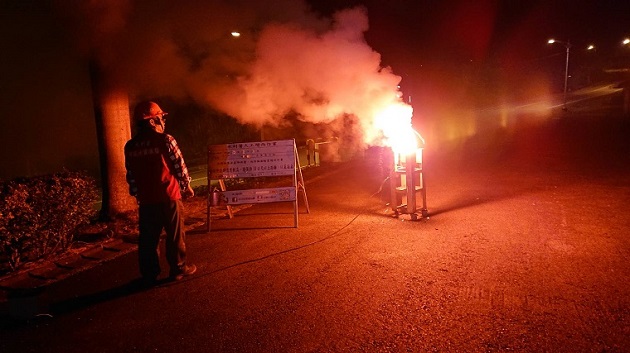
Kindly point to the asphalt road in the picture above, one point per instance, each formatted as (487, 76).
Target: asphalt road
(526, 249)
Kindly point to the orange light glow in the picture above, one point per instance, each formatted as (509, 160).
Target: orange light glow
(395, 123)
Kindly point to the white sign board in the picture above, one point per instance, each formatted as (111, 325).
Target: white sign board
(252, 159)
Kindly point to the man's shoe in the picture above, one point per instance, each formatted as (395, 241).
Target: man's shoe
(184, 271)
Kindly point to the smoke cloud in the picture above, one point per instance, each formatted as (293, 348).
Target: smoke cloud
(287, 60)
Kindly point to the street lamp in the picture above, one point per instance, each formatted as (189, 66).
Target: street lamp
(626, 41)
(567, 45)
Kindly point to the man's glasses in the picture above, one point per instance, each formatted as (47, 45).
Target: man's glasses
(161, 117)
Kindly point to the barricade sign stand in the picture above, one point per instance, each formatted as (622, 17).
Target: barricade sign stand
(252, 160)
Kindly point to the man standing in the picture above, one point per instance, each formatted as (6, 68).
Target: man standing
(157, 177)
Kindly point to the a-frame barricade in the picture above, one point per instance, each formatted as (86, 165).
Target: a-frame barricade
(252, 160)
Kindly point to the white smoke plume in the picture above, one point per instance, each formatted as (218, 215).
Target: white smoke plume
(288, 59)
(321, 76)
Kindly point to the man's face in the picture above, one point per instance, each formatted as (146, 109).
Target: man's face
(159, 123)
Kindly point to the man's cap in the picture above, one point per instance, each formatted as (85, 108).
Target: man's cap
(147, 110)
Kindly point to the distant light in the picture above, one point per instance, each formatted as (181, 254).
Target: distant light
(236, 34)
(590, 47)
(551, 41)
(626, 41)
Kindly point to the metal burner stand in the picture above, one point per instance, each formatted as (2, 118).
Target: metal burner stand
(406, 181)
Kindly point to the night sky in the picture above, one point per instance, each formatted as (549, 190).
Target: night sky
(46, 104)
(409, 33)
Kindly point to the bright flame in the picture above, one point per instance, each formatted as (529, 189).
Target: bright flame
(395, 123)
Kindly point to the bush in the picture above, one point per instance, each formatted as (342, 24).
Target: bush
(40, 216)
